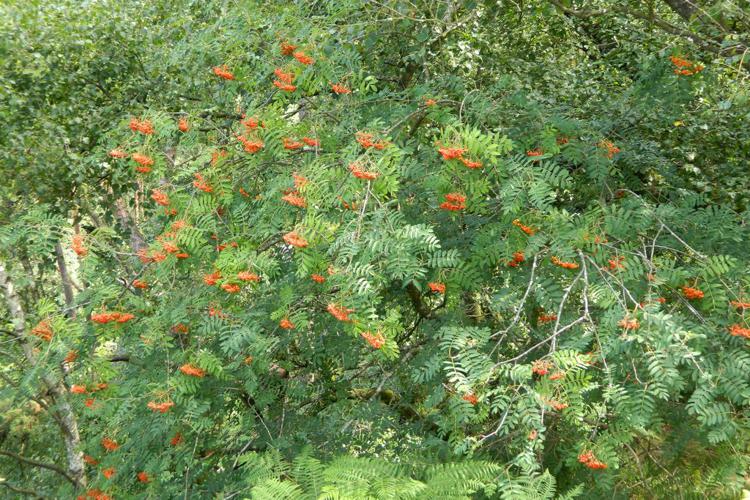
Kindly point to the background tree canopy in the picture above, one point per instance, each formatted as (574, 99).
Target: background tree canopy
(374, 249)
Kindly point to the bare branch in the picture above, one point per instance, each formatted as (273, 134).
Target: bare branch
(560, 309)
(36, 463)
(17, 489)
(517, 314)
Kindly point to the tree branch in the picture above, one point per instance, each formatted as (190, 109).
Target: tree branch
(17, 489)
(36, 463)
(705, 41)
(416, 300)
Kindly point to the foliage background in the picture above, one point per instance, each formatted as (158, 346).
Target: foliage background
(318, 412)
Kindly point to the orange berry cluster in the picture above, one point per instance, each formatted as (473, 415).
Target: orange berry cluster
(362, 174)
(77, 245)
(452, 153)
(144, 127)
(526, 229)
(286, 324)
(518, 258)
(222, 246)
(291, 144)
(140, 284)
(339, 312)
(303, 58)
(610, 147)
(248, 276)
(251, 145)
(146, 257)
(318, 278)
(740, 305)
(94, 494)
(43, 330)
(541, 367)
(546, 318)
(340, 89)
(250, 123)
(588, 459)
(739, 331)
(118, 154)
(557, 405)
(200, 183)
(216, 156)
(365, 139)
(685, 67)
(183, 125)
(179, 328)
(454, 202)
(223, 72)
(299, 181)
(109, 317)
(192, 370)
(563, 264)
(284, 80)
(692, 293)
(470, 398)
(376, 340)
(160, 407)
(287, 48)
(457, 153)
(79, 389)
(295, 240)
(145, 162)
(176, 440)
(160, 197)
(294, 199)
(212, 311)
(348, 206)
(616, 263)
(629, 324)
(170, 247)
(109, 444)
(534, 152)
(436, 287)
(471, 163)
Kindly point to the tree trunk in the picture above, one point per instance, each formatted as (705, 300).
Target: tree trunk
(67, 285)
(685, 8)
(123, 216)
(66, 417)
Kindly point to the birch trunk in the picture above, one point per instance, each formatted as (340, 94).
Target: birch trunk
(66, 417)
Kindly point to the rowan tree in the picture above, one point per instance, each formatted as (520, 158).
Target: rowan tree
(398, 249)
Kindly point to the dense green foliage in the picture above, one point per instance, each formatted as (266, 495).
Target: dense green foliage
(470, 249)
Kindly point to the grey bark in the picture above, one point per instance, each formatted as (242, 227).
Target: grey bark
(66, 418)
(685, 8)
(67, 285)
(123, 216)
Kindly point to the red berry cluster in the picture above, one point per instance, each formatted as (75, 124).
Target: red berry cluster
(109, 317)
(588, 459)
